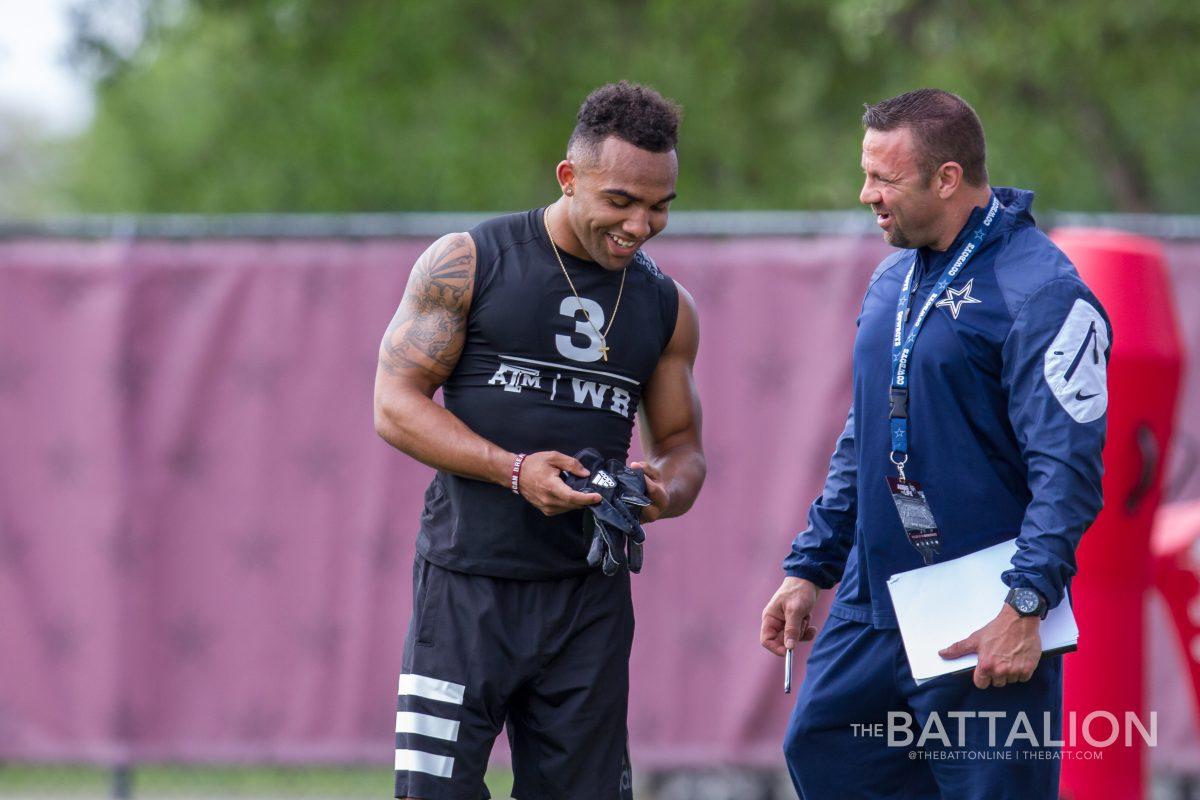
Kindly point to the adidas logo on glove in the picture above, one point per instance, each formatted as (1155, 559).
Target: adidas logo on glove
(604, 480)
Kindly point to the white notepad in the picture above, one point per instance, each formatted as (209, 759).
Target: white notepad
(938, 605)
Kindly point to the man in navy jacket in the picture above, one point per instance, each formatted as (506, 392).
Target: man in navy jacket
(979, 372)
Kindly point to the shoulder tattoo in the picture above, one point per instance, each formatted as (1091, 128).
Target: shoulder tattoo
(429, 328)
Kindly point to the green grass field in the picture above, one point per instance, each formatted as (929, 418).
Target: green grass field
(170, 780)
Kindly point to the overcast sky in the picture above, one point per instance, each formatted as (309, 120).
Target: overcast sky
(34, 76)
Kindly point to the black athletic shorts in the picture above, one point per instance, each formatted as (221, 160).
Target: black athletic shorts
(549, 659)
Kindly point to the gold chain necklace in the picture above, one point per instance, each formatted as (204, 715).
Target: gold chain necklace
(616, 306)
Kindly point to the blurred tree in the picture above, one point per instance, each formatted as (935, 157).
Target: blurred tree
(29, 160)
(348, 105)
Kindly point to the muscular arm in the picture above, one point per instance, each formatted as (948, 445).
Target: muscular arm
(670, 420)
(419, 351)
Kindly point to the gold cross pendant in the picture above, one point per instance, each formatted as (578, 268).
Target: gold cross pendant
(604, 352)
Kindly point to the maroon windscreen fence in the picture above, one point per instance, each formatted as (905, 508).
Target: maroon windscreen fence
(205, 549)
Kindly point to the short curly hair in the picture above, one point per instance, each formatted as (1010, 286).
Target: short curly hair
(636, 114)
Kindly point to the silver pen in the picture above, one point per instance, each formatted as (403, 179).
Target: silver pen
(787, 673)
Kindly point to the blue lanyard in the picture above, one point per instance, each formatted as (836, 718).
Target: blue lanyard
(902, 347)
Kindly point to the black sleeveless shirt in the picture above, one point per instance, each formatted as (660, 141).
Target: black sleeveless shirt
(531, 377)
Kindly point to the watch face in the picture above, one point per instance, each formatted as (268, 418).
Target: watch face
(1026, 601)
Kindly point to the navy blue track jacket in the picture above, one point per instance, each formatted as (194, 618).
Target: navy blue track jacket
(1006, 409)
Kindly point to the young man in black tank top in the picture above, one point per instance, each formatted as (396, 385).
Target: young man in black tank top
(547, 330)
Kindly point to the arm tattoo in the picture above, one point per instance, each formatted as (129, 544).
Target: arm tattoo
(429, 329)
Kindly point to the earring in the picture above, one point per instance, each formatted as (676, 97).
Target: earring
(569, 191)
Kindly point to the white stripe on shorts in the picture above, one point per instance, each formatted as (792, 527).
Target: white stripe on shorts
(432, 688)
(418, 761)
(427, 725)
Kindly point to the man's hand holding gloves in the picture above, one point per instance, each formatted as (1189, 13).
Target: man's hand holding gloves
(617, 536)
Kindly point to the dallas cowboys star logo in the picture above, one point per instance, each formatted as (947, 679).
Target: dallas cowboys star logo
(955, 299)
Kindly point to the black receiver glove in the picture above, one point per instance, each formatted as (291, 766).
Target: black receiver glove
(617, 536)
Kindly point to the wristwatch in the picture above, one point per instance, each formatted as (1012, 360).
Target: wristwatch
(1027, 602)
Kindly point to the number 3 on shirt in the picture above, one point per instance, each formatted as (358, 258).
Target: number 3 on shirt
(570, 307)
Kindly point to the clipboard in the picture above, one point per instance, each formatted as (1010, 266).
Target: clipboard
(942, 603)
